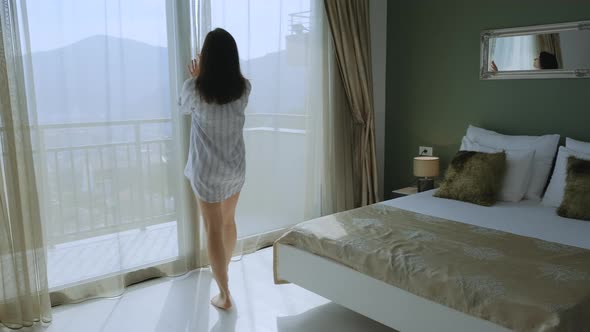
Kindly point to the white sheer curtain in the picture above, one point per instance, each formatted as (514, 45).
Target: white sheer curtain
(102, 79)
(24, 297)
(515, 53)
(283, 47)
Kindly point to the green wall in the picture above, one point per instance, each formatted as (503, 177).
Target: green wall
(433, 86)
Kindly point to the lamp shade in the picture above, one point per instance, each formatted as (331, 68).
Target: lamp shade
(426, 166)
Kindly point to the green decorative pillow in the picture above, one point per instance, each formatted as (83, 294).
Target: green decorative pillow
(576, 199)
(474, 177)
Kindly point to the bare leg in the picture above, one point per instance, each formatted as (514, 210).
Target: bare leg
(229, 239)
(213, 217)
(229, 225)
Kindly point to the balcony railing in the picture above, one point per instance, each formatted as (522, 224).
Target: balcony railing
(299, 22)
(97, 185)
(92, 189)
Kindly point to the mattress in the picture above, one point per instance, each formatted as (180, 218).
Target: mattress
(492, 263)
(527, 218)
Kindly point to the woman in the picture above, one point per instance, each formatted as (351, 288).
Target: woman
(546, 60)
(216, 96)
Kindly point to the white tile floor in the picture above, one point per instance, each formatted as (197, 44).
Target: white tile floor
(107, 254)
(182, 305)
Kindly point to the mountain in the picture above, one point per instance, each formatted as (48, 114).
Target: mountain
(101, 79)
(278, 86)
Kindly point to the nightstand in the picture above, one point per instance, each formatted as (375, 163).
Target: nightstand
(404, 192)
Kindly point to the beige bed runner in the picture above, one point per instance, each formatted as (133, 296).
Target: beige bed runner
(521, 283)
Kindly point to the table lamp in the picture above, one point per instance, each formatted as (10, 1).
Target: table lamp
(426, 169)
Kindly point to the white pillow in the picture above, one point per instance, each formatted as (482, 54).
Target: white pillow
(556, 189)
(544, 147)
(469, 145)
(518, 169)
(577, 146)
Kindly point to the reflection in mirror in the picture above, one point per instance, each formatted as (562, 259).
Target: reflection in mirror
(548, 51)
(568, 50)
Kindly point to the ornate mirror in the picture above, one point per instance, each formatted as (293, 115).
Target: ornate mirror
(542, 51)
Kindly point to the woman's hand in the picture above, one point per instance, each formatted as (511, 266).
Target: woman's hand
(193, 68)
(494, 67)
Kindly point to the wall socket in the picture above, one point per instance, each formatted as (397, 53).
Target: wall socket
(425, 151)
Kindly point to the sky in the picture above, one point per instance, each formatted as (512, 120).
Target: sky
(259, 26)
(57, 23)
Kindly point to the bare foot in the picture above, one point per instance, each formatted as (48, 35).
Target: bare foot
(221, 301)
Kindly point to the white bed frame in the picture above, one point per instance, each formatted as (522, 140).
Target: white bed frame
(373, 298)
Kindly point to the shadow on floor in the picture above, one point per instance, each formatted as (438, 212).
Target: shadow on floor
(329, 317)
(226, 322)
(186, 307)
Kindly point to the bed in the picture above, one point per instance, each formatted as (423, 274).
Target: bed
(473, 304)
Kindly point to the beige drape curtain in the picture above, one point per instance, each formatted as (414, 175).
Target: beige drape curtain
(24, 297)
(349, 24)
(551, 43)
(341, 186)
(329, 142)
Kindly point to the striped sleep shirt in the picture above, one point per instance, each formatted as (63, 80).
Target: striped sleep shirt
(216, 165)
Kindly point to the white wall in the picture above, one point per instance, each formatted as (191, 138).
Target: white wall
(378, 12)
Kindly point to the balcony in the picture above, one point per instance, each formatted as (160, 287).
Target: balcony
(100, 194)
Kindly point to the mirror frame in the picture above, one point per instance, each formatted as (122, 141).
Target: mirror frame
(485, 74)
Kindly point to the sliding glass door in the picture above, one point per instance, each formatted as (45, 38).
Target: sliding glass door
(102, 100)
(281, 45)
(102, 83)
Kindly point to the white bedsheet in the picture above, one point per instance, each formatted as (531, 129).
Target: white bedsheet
(528, 218)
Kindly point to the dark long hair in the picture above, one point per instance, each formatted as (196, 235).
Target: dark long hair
(220, 80)
(548, 61)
